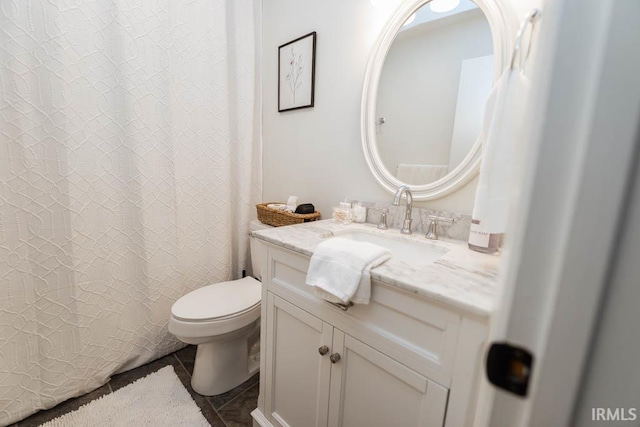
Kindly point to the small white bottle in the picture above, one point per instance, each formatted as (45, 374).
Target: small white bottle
(481, 241)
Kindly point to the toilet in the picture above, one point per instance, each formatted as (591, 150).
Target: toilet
(223, 320)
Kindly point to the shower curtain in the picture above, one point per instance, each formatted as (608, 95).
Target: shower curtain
(129, 170)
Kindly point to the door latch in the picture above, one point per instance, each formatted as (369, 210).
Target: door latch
(509, 367)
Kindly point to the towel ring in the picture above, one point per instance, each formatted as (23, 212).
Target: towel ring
(532, 16)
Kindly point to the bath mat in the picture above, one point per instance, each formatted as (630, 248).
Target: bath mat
(159, 399)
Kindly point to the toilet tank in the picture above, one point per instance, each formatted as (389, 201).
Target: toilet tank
(256, 248)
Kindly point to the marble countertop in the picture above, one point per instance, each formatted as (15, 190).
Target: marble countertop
(462, 278)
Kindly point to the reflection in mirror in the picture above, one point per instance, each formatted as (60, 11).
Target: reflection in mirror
(432, 90)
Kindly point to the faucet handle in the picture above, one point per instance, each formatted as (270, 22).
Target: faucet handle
(382, 224)
(432, 233)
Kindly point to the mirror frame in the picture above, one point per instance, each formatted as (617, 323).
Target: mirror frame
(501, 23)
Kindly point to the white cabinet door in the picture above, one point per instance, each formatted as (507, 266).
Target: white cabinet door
(297, 375)
(371, 389)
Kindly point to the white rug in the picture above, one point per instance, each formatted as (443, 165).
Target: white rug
(159, 399)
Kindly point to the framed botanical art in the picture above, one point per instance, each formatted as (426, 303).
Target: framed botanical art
(296, 73)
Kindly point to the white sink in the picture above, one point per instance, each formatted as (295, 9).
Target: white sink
(403, 249)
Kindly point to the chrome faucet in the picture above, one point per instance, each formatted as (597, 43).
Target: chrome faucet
(406, 225)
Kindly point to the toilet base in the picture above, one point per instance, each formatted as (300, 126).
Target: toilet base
(224, 363)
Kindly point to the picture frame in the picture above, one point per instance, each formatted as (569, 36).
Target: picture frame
(297, 73)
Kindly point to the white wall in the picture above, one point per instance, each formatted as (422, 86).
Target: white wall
(316, 153)
(419, 83)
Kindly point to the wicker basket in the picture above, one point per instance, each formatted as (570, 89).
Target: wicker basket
(279, 218)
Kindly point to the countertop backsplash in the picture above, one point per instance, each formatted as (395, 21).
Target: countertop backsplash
(459, 230)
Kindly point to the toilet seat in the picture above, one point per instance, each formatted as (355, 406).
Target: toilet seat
(216, 309)
(218, 301)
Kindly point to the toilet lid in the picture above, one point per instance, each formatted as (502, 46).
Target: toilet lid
(219, 300)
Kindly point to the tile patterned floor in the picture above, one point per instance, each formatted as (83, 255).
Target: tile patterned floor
(231, 409)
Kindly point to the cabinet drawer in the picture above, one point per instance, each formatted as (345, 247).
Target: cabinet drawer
(403, 325)
(287, 270)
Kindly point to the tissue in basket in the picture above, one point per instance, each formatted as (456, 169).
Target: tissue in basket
(277, 218)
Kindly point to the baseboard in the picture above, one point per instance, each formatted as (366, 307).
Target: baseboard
(259, 420)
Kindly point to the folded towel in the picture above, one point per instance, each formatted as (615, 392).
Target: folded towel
(281, 207)
(340, 270)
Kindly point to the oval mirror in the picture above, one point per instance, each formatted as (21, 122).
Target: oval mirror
(425, 90)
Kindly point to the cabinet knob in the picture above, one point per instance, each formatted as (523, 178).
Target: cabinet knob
(335, 357)
(323, 350)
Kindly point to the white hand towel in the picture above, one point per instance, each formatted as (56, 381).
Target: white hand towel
(340, 269)
(501, 151)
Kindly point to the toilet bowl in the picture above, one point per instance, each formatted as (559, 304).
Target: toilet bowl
(223, 320)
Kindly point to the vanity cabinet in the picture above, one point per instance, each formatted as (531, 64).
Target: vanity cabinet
(400, 360)
(369, 388)
(318, 375)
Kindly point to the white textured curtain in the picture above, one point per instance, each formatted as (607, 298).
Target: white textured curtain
(129, 169)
